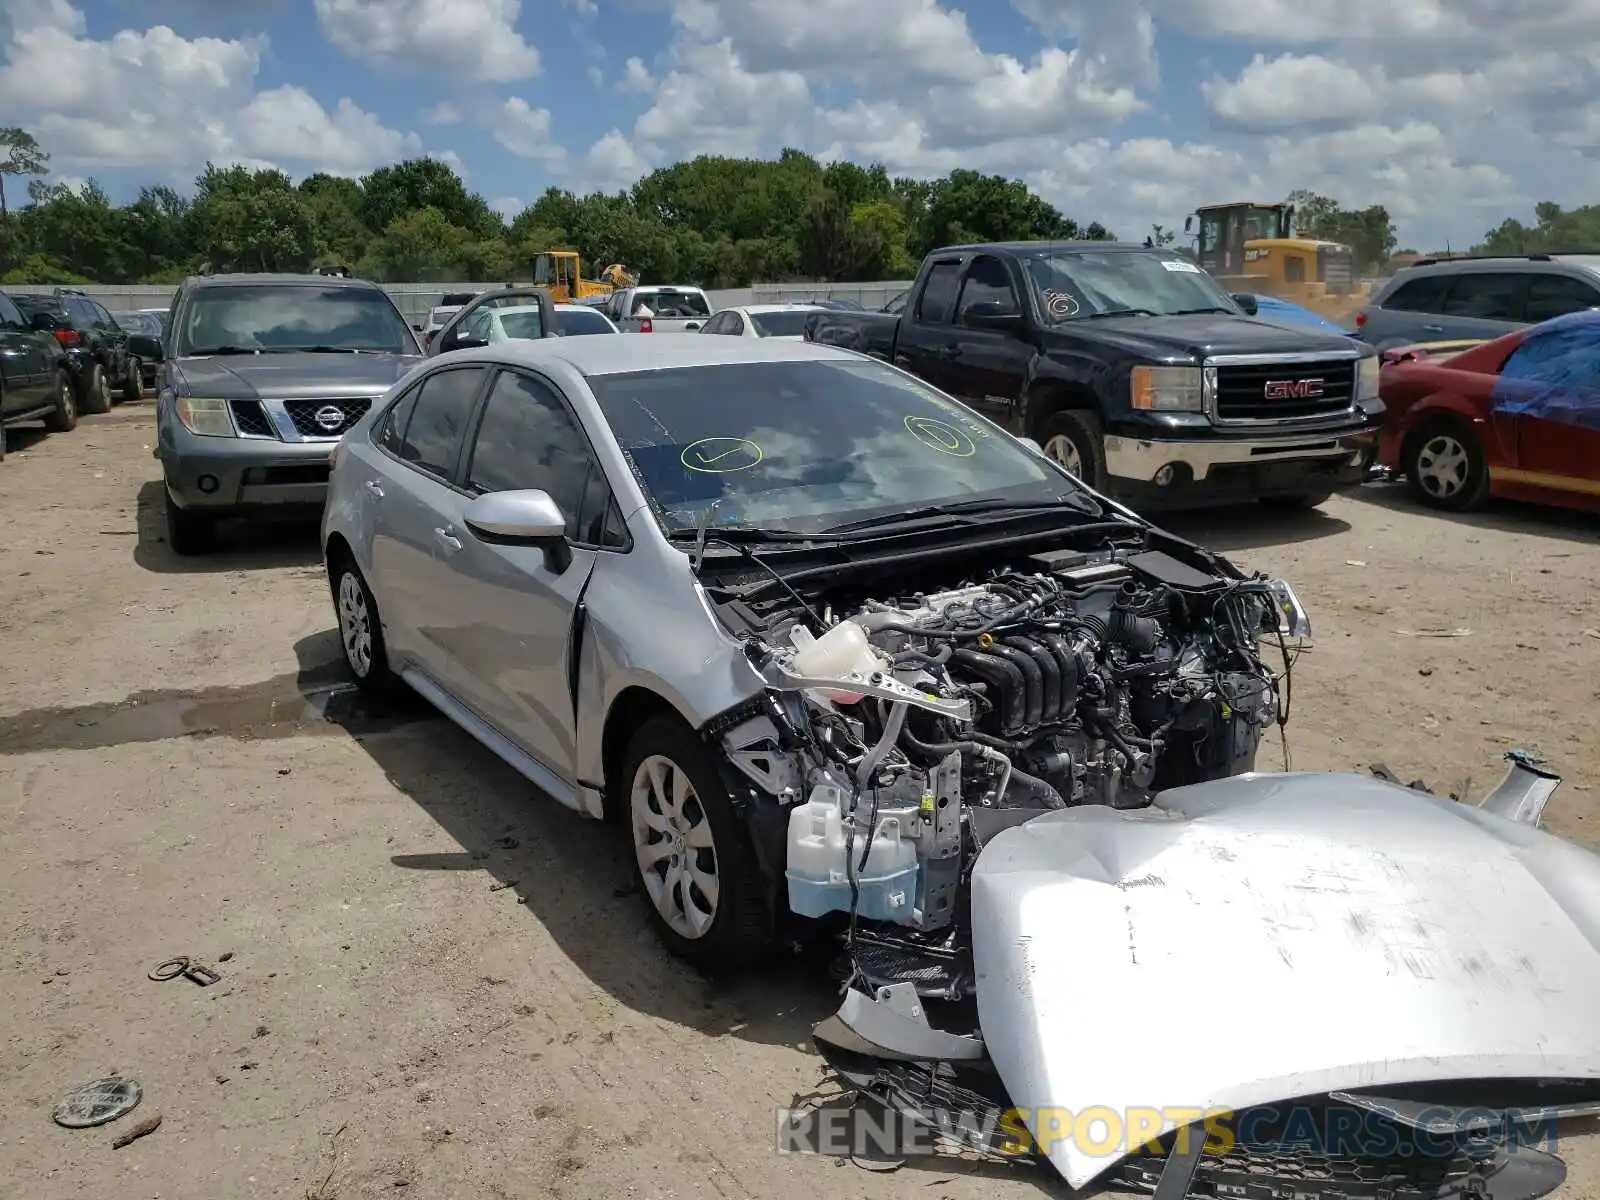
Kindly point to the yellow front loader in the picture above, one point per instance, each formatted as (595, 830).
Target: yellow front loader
(561, 272)
(1252, 248)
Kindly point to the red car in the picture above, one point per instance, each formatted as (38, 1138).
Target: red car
(1517, 417)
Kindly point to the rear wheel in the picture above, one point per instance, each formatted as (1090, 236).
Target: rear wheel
(96, 390)
(1074, 440)
(693, 857)
(65, 417)
(360, 630)
(189, 533)
(1445, 467)
(133, 385)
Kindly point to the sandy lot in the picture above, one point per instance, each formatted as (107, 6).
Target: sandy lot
(431, 986)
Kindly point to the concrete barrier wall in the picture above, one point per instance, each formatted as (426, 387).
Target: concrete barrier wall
(415, 299)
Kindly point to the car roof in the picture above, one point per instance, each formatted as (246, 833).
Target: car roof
(257, 278)
(658, 351)
(794, 306)
(578, 308)
(1035, 249)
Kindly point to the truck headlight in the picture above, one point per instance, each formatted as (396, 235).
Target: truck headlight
(1367, 370)
(208, 418)
(1169, 389)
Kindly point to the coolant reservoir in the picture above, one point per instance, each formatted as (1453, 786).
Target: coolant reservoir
(817, 867)
(835, 655)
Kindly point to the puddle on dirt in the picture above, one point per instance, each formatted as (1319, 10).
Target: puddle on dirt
(287, 706)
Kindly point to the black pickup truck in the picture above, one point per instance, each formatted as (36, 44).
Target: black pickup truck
(1133, 369)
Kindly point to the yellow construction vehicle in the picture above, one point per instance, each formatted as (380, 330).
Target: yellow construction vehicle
(561, 271)
(1252, 248)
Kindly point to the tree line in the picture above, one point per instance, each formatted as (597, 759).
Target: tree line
(713, 221)
(717, 222)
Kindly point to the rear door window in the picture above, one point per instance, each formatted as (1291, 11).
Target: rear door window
(938, 300)
(1557, 295)
(1487, 295)
(1425, 295)
(438, 422)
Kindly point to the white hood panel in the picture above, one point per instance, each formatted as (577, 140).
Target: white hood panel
(1270, 937)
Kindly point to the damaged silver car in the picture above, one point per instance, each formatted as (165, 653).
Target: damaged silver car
(845, 660)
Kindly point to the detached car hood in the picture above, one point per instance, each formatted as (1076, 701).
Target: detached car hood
(287, 376)
(1212, 333)
(1271, 937)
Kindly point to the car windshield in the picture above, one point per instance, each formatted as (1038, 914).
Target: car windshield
(281, 317)
(521, 323)
(138, 323)
(573, 321)
(1076, 285)
(805, 445)
(786, 323)
(672, 304)
(438, 316)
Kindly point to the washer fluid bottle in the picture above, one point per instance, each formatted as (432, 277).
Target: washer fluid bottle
(818, 869)
(837, 654)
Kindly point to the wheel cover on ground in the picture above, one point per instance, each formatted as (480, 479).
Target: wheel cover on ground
(1063, 451)
(673, 843)
(1442, 466)
(355, 624)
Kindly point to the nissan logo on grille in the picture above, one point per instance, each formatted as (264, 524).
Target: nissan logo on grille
(331, 416)
(1281, 389)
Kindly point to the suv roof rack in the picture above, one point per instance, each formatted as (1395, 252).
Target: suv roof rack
(340, 270)
(66, 291)
(1536, 256)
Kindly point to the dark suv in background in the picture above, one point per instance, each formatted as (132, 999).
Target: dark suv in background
(1478, 298)
(96, 346)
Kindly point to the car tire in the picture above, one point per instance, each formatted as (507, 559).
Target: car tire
(366, 656)
(1073, 439)
(682, 831)
(133, 384)
(65, 417)
(190, 533)
(1444, 465)
(2, 438)
(1297, 502)
(96, 391)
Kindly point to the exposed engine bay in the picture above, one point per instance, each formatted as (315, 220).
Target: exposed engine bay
(923, 723)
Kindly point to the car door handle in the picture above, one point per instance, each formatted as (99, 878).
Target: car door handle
(948, 352)
(375, 488)
(1433, 329)
(447, 539)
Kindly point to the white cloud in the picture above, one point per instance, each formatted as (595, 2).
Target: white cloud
(507, 206)
(443, 113)
(525, 131)
(612, 164)
(636, 77)
(596, 76)
(153, 98)
(1290, 91)
(467, 39)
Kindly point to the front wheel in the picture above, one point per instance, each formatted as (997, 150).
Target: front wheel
(693, 857)
(65, 417)
(1074, 440)
(189, 533)
(1445, 467)
(133, 384)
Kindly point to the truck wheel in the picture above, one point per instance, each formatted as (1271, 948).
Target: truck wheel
(96, 390)
(189, 533)
(1073, 439)
(133, 385)
(1444, 466)
(65, 417)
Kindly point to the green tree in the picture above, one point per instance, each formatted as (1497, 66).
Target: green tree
(23, 156)
(247, 220)
(390, 193)
(1554, 228)
(1369, 232)
(336, 206)
(86, 221)
(422, 245)
(1160, 235)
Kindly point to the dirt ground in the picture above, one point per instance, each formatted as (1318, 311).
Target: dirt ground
(429, 979)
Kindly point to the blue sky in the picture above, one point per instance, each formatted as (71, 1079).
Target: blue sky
(1128, 113)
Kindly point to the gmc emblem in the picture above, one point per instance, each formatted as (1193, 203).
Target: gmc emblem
(1293, 389)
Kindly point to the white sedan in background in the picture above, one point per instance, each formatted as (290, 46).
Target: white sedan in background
(574, 320)
(786, 322)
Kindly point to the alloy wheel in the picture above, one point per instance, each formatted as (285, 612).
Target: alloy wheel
(1442, 466)
(355, 624)
(1063, 451)
(673, 843)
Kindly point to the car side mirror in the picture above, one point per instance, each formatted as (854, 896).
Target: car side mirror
(142, 345)
(1247, 303)
(1188, 224)
(1029, 444)
(992, 314)
(522, 518)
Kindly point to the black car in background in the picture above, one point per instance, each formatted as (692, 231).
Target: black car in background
(97, 355)
(33, 376)
(149, 324)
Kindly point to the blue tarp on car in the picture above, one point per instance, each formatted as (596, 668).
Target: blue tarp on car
(1282, 312)
(1554, 375)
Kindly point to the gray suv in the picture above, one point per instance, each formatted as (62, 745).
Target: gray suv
(1451, 299)
(260, 377)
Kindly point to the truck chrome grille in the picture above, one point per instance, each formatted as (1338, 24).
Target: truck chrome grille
(1285, 391)
(313, 418)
